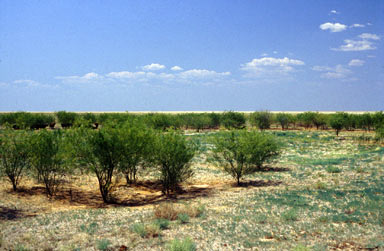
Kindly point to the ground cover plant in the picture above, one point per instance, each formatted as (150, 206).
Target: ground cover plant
(323, 192)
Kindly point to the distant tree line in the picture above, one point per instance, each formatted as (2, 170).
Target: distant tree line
(198, 121)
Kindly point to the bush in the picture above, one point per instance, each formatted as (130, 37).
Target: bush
(101, 152)
(139, 229)
(172, 154)
(14, 150)
(66, 119)
(380, 134)
(47, 158)
(162, 223)
(333, 169)
(338, 121)
(136, 146)
(103, 244)
(241, 153)
(183, 218)
(144, 231)
(262, 120)
(171, 211)
(182, 245)
(283, 119)
(233, 120)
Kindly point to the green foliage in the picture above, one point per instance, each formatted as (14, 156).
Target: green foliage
(183, 218)
(103, 244)
(380, 133)
(14, 150)
(241, 153)
(137, 141)
(66, 119)
(139, 228)
(47, 158)
(333, 169)
(290, 215)
(162, 223)
(338, 121)
(172, 154)
(25, 120)
(101, 152)
(262, 119)
(306, 119)
(233, 120)
(182, 245)
(284, 119)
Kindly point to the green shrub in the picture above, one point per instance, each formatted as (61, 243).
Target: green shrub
(241, 153)
(172, 154)
(262, 119)
(47, 158)
(233, 120)
(333, 169)
(162, 223)
(66, 119)
(101, 152)
(103, 244)
(290, 215)
(183, 218)
(182, 245)
(136, 146)
(14, 156)
(139, 228)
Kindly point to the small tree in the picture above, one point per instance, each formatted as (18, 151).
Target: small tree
(14, 150)
(242, 153)
(101, 152)
(232, 120)
(283, 119)
(262, 120)
(172, 154)
(66, 119)
(136, 143)
(47, 158)
(337, 122)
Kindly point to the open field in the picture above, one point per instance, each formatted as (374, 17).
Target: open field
(322, 193)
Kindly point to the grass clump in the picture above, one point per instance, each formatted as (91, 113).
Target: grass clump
(182, 245)
(290, 215)
(146, 231)
(139, 229)
(171, 211)
(103, 244)
(183, 218)
(162, 223)
(333, 169)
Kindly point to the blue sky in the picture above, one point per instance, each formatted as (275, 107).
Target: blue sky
(191, 55)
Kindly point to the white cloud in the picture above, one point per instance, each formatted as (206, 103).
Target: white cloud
(28, 82)
(270, 67)
(337, 72)
(334, 12)
(353, 45)
(88, 77)
(333, 27)
(356, 62)
(357, 26)
(153, 67)
(369, 36)
(126, 74)
(359, 45)
(201, 73)
(176, 68)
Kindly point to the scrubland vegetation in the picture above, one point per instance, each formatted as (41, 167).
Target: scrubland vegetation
(209, 181)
